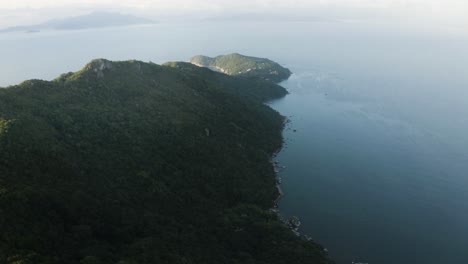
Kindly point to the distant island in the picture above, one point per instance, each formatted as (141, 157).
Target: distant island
(92, 20)
(245, 66)
(131, 162)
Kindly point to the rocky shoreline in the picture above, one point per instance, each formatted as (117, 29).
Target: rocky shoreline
(213, 68)
(293, 223)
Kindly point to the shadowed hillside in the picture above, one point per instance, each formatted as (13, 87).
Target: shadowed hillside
(132, 162)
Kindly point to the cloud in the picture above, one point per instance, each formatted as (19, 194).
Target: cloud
(225, 4)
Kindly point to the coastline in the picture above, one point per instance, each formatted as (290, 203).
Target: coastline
(293, 223)
(276, 167)
(213, 68)
(208, 214)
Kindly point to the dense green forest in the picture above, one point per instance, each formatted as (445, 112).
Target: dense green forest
(132, 162)
(245, 66)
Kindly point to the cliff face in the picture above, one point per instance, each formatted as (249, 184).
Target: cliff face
(131, 162)
(244, 66)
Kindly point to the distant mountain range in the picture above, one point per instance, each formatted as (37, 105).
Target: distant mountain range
(92, 20)
(267, 17)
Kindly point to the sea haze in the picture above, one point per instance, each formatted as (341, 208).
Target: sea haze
(92, 20)
(377, 149)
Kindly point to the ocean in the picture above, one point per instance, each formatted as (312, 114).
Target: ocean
(376, 152)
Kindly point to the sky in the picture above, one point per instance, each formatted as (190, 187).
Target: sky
(447, 12)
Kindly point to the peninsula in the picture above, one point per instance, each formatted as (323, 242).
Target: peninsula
(245, 66)
(131, 162)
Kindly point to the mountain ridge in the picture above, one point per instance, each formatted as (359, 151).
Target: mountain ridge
(97, 19)
(131, 162)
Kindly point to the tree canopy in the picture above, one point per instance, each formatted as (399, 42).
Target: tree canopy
(132, 162)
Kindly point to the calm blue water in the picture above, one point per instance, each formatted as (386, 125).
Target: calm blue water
(377, 167)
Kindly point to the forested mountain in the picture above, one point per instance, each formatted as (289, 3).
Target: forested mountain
(245, 66)
(132, 162)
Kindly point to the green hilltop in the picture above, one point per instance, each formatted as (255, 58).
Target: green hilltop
(244, 66)
(131, 162)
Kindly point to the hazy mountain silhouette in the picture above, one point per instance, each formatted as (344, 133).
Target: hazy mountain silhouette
(93, 20)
